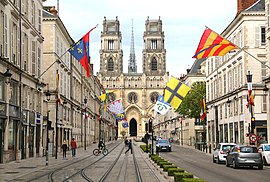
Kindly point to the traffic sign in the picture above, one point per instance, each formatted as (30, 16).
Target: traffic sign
(253, 137)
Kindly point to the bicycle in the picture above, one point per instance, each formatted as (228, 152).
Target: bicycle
(97, 151)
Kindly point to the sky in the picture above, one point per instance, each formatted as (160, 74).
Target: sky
(183, 25)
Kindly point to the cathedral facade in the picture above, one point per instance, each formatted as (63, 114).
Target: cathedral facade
(138, 91)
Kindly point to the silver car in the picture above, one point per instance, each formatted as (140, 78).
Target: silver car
(163, 145)
(220, 152)
(264, 149)
(244, 155)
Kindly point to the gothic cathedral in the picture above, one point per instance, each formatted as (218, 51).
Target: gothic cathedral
(138, 91)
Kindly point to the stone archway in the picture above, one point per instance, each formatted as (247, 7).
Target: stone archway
(133, 127)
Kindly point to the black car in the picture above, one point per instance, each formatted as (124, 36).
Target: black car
(244, 155)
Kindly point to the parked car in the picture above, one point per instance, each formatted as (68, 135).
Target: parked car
(244, 155)
(220, 152)
(163, 145)
(264, 149)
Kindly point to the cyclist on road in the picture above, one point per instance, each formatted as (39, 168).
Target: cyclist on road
(101, 144)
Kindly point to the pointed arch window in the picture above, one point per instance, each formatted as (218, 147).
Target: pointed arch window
(154, 64)
(110, 64)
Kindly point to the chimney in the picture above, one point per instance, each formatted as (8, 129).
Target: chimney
(244, 4)
(53, 11)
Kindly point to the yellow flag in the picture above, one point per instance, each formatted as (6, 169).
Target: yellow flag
(175, 92)
(103, 97)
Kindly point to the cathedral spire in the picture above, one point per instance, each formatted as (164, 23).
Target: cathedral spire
(132, 66)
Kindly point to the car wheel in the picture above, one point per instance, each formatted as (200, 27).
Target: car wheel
(227, 163)
(260, 167)
(264, 161)
(218, 161)
(235, 166)
(214, 161)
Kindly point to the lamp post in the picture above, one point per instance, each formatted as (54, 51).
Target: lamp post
(7, 76)
(249, 83)
(56, 115)
(85, 106)
(48, 94)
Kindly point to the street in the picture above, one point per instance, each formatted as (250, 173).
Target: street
(201, 165)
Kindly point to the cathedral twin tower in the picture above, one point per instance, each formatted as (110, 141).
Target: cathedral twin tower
(138, 91)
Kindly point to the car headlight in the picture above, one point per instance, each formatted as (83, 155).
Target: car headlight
(169, 145)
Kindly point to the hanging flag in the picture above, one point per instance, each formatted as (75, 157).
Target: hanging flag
(125, 124)
(175, 92)
(58, 87)
(203, 111)
(212, 44)
(161, 107)
(120, 116)
(104, 97)
(80, 50)
(250, 97)
(116, 107)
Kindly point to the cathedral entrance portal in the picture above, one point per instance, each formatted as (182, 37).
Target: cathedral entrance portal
(133, 127)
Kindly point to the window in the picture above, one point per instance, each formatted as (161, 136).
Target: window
(224, 82)
(33, 58)
(264, 104)
(264, 70)
(132, 97)
(260, 36)
(154, 64)
(110, 44)
(5, 36)
(154, 97)
(1, 88)
(154, 44)
(33, 14)
(38, 61)
(110, 65)
(39, 20)
(13, 99)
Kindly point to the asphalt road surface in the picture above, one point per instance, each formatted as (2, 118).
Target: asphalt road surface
(202, 166)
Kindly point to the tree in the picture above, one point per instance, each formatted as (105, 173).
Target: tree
(191, 104)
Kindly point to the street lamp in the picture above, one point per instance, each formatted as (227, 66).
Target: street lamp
(85, 106)
(7, 76)
(249, 83)
(47, 94)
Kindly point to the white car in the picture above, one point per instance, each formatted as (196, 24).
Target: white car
(264, 149)
(220, 152)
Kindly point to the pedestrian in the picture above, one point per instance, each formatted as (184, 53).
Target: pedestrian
(101, 144)
(73, 147)
(129, 147)
(126, 142)
(64, 148)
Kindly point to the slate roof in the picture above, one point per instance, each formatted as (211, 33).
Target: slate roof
(196, 66)
(258, 6)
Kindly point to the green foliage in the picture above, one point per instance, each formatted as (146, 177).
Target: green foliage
(158, 161)
(191, 104)
(171, 171)
(166, 167)
(193, 180)
(179, 176)
(162, 164)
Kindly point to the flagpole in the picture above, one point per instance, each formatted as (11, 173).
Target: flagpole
(59, 58)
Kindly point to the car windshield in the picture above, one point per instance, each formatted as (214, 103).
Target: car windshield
(163, 141)
(267, 147)
(225, 148)
(248, 150)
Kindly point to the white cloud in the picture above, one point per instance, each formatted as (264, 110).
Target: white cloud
(183, 25)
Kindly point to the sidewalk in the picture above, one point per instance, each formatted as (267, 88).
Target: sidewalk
(16, 169)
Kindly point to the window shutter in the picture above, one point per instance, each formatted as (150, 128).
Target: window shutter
(257, 36)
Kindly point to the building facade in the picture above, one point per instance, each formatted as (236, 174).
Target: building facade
(138, 91)
(21, 97)
(229, 118)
